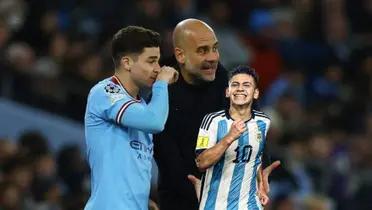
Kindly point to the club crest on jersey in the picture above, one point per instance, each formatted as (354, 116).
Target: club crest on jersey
(259, 136)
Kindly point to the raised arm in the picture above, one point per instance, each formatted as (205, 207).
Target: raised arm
(151, 117)
(212, 155)
(110, 103)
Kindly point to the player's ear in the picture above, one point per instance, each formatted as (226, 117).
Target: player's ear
(126, 62)
(256, 93)
(227, 92)
(179, 54)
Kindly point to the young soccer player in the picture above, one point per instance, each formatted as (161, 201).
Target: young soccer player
(229, 148)
(119, 124)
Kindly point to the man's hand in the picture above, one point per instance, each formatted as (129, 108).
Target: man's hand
(168, 74)
(153, 205)
(265, 176)
(264, 198)
(263, 183)
(197, 184)
(237, 128)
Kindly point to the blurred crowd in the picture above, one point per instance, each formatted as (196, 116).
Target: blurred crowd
(32, 178)
(314, 58)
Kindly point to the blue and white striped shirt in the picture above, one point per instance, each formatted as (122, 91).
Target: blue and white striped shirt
(231, 184)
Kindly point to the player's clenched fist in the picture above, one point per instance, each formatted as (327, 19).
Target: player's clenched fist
(168, 74)
(237, 128)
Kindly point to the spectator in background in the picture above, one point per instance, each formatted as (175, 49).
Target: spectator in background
(5, 34)
(266, 58)
(7, 150)
(230, 45)
(10, 196)
(291, 82)
(328, 86)
(72, 169)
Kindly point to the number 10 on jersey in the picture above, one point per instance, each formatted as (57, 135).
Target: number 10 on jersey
(243, 154)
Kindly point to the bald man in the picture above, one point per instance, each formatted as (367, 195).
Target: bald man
(199, 90)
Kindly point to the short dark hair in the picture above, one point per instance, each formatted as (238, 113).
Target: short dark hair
(245, 70)
(132, 40)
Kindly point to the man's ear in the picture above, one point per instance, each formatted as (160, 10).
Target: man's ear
(256, 93)
(126, 62)
(180, 55)
(227, 92)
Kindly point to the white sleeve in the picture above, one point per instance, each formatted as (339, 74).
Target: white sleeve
(207, 136)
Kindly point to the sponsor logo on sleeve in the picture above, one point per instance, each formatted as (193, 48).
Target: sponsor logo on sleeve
(114, 93)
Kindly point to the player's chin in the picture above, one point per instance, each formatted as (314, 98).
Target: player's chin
(150, 83)
(240, 102)
(209, 77)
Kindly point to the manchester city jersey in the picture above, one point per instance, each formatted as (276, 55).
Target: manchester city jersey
(119, 143)
(232, 182)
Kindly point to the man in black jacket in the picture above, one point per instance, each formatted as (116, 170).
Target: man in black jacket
(199, 90)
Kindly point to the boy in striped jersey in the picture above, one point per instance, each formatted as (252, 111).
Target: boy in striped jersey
(229, 148)
(119, 124)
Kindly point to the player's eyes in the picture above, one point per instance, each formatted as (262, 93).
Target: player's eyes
(201, 51)
(215, 48)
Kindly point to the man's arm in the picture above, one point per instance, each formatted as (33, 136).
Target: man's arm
(265, 175)
(262, 195)
(128, 112)
(150, 118)
(212, 155)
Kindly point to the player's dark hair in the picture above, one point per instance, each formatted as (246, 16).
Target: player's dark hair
(132, 40)
(245, 70)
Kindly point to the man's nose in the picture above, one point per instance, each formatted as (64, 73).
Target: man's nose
(240, 88)
(157, 68)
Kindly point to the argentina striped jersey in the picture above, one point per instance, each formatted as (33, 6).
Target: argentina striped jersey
(231, 184)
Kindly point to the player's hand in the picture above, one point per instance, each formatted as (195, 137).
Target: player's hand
(264, 198)
(153, 205)
(237, 128)
(168, 74)
(265, 176)
(197, 184)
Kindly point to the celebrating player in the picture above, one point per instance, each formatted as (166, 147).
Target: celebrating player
(229, 148)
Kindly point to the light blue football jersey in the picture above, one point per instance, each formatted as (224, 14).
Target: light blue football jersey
(231, 184)
(118, 131)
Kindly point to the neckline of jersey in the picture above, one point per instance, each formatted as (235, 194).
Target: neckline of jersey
(228, 116)
(117, 81)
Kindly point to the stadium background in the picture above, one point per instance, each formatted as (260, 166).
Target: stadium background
(315, 62)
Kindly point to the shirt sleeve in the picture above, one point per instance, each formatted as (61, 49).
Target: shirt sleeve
(207, 136)
(267, 127)
(128, 112)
